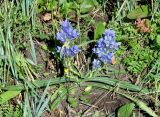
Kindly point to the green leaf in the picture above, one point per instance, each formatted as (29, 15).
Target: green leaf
(116, 82)
(100, 28)
(88, 88)
(84, 99)
(79, 1)
(61, 2)
(60, 94)
(126, 110)
(86, 6)
(73, 102)
(41, 2)
(158, 40)
(1, 18)
(4, 97)
(52, 5)
(140, 12)
(96, 114)
(43, 37)
(37, 83)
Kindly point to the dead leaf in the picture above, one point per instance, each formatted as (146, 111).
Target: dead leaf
(113, 60)
(142, 26)
(47, 17)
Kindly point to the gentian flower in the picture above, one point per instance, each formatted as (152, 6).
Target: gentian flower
(99, 51)
(113, 45)
(74, 50)
(67, 32)
(110, 33)
(105, 47)
(59, 49)
(102, 43)
(66, 52)
(106, 58)
(61, 36)
(96, 63)
(66, 25)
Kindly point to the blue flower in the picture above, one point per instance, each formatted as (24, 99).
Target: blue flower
(99, 51)
(102, 43)
(67, 32)
(96, 64)
(59, 49)
(105, 47)
(72, 34)
(66, 52)
(69, 52)
(113, 45)
(74, 50)
(107, 58)
(109, 32)
(61, 36)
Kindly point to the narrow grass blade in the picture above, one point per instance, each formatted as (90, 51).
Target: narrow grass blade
(32, 50)
(43, 102)
(58, 97)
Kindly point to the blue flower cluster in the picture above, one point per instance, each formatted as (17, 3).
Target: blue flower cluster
(105, 48)
(67, 34)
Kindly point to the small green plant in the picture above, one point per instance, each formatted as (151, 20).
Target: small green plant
(66, 6)
(10, 111)
(139, 60)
